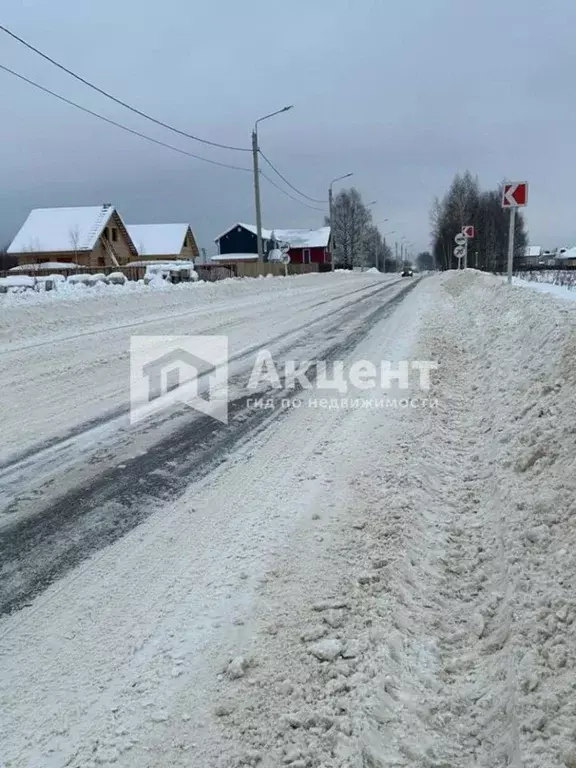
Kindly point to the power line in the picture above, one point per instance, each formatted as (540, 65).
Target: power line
(285, 180)
(120, 125)
(159, 143)
(119, 101)
(284, 192)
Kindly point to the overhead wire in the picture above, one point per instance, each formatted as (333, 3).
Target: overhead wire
(159, 143)
(285, 180)
(284, 192)
(121, 125)
(161, 123)
(116, 99)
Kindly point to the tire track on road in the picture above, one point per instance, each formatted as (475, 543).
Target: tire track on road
(37, 550)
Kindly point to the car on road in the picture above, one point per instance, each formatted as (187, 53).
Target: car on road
(407, 273)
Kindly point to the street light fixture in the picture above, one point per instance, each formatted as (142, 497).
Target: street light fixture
(339, 178)
(255, 149)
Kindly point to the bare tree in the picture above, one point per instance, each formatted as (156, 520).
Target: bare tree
(425, 261)
(74, 235)
(377, 251)
(466, 203)
(351, 219)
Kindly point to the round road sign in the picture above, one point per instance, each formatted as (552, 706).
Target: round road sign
(460, 239)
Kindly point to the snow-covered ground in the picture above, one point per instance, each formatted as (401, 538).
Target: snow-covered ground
(566, 291)
(351, 588)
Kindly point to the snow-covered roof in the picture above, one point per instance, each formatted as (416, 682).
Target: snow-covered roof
(158, 239)
(569, 253)
(235, 257)
(298, 238)
(49, 230)
(533, 251)
(304, 238)
(54, 266)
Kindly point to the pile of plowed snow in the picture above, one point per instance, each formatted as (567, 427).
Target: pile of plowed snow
(451, 637)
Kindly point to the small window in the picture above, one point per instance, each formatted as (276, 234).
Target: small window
(105, 233)
(114, 235)
(306, 256)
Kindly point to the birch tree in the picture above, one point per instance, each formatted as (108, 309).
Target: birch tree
(465, 203)
(351, 220)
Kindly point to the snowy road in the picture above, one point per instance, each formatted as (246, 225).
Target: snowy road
(78, 493)
(333, 588)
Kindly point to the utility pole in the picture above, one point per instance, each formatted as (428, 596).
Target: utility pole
(257, 194)
(255, 152)
(331, 217)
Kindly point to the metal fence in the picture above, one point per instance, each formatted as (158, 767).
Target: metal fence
(564, 277)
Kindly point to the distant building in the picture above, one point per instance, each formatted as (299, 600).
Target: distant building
(93, 236)
(307, 246)
(567, 258)
(164, 241)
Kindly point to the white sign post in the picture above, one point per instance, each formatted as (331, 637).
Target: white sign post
(468, 231)
(285, 247)
(514, 195)
(461, 248)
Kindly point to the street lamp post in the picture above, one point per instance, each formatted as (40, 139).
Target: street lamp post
(255, 149)
(330, 214)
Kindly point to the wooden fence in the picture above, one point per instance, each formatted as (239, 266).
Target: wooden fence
(209, 272)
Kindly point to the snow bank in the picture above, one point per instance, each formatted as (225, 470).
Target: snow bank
(14, 281)
(451, 638)
(35, 314)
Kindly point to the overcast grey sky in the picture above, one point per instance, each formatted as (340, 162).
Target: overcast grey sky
(403, 94)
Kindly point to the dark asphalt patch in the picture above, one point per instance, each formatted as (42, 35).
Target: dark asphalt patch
(37, 550)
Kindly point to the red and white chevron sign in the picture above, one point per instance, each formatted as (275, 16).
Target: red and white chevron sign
(515, 194)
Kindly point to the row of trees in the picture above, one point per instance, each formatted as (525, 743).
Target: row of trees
(356, 240)
(466, 203)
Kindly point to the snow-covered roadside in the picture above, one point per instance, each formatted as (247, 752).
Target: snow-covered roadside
(442, 603)
(559, 291)
(38, 318)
